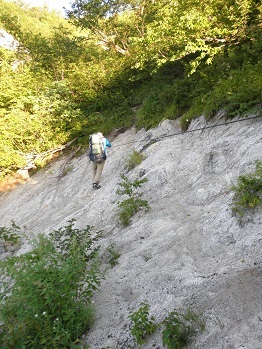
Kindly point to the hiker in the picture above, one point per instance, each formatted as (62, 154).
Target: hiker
(97, 154)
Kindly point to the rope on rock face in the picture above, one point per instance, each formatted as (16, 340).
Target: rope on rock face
(194, 130)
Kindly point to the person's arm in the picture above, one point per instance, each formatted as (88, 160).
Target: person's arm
(108, 144)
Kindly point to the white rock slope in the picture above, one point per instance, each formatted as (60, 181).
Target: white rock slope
(188, 250)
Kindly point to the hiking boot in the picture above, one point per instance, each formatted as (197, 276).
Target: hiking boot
(96, 186)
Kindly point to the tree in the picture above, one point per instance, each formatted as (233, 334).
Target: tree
(166, 30)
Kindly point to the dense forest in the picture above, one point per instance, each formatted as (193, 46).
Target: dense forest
(121, 63)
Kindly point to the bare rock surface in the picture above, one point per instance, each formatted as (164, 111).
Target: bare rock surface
(189, 250)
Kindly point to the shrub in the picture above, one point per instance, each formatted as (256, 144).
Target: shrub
(152, 111)
(179, 329)
(143, 326)
(248, 190)
(114, 255)
(9, 237)
(130, 206)
(46, 293)
(134, 160)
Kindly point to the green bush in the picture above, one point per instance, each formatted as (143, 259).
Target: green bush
(46, 293)
(143, 325)
(130, 206)
(248, 191)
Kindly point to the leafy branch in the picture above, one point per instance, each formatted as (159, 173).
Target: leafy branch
(130, 206)
(46, 294)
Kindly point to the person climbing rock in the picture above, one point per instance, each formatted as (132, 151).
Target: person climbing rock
(98, 154)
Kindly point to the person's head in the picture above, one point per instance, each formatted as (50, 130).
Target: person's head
(100, 134)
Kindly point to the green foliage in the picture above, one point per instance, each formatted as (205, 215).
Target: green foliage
(230, 94)
(179, 329)
(237, 92)
(10, 236)
(132, 63)
(37, 110)
(168, 95)
(46, 294)
(161, 31)
(114, 255)
(33, 124)
(134, 160)
(248, 191)
(44, 38)
(127, 208)
(143, 325)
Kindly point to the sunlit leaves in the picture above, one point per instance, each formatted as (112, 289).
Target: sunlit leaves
(163, 30)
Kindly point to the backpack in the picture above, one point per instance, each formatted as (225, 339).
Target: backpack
(96, 151)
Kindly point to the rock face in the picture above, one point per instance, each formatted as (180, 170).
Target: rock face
(7, 40)
(189, 250)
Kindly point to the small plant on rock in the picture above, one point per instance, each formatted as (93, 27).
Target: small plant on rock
(114, 255)
(130, 206)
(134, 160)
(248, 191)
(9, 236)
(179, 329)
(143, 325)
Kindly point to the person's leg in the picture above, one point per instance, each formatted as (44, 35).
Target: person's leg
(94, 171)
(98, 172)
